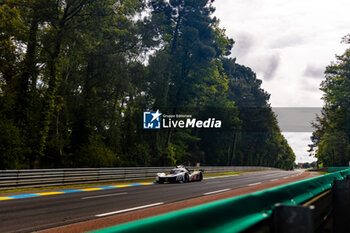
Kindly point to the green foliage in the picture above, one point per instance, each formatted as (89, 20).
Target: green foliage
(95, 154)
(258, 140)
(12, 148)
(76, 76)
(331, 138)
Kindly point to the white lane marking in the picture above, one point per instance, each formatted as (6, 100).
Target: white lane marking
(254, 184)
(273, 179)
(218, 191)
(107, 195)
(130, 209)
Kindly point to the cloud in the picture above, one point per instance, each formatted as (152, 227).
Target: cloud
(271, 67)
(299, 142)
(288, 44)
(314, 72)
(245, 49)
(289, 40)
(243, 45)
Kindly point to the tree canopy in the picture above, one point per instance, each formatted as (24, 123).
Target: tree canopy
(331, 138)
(77, 75)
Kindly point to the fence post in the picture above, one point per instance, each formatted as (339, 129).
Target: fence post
(341, 202)
(293, 219)
(17, 179)
(63, 176)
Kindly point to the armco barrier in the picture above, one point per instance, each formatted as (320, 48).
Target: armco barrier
(30, 178)
(335, 169)
(233, 214)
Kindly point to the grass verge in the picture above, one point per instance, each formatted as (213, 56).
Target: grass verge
(321, 172)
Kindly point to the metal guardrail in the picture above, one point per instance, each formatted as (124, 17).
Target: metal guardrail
(328, 212)
(31, 178)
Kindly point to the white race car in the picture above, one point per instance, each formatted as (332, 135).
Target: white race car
(179, 174)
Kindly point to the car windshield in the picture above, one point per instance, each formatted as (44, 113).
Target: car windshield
(175, 171)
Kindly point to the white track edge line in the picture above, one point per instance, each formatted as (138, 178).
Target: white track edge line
(254, 184)
(218, 191)
(107, 195)
(130, 209)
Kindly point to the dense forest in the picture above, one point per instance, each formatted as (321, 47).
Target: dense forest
(331, 138)
(77, 75)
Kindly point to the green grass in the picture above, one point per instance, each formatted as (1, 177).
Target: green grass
(104, 183)
(321, 172)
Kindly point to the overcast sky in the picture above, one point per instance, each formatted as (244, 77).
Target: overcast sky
(288, 44)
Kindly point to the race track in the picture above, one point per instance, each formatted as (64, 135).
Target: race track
(52, 210)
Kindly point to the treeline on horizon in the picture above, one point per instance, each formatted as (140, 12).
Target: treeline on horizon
(76, 76)
(331, 138)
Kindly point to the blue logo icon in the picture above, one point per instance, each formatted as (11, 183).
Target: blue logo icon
(151, 120)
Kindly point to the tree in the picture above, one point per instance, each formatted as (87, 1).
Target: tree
(77, 75)
(331, 138)
(258, 140)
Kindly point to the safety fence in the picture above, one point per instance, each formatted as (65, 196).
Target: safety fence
(30, 178)
(303, 207)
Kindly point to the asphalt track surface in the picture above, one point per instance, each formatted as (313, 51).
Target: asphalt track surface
(44, 212)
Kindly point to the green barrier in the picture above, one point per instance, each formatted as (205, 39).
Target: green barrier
(335, 169)
(345, 172)
(233, 214)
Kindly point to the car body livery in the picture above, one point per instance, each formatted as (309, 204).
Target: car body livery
(179, 174)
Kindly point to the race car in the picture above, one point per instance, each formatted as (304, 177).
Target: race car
(179, 174)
